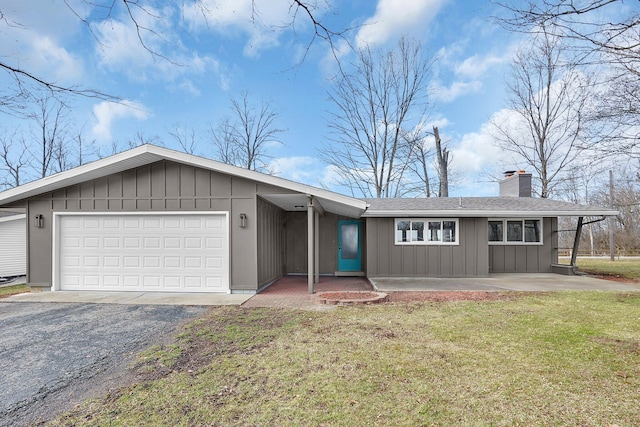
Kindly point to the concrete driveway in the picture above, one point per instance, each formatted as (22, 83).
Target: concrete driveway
(530, 282)
(55, 355)
(154, 298)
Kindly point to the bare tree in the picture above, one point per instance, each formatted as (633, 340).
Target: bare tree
(605, 27)
(244, 138)
(549, 97)
(379, 106)
(49, 134)
(141, 139)
(185, 137)
(604, 34)
(422, 152)
(13, 161)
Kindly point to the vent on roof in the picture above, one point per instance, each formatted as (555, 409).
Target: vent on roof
(516, 184)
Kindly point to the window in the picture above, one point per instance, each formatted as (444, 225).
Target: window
(515, 231)
(495, 231)
(427, 231)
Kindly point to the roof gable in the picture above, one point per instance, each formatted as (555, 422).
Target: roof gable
(147, 154)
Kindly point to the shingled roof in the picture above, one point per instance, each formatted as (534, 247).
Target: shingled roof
(479, 207)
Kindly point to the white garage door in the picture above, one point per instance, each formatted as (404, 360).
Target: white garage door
(143, 252)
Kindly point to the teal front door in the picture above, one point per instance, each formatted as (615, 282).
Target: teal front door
(349, 250)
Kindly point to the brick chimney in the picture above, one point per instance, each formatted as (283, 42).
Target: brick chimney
(516, 184)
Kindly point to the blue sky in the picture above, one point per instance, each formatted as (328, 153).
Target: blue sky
(228, 54)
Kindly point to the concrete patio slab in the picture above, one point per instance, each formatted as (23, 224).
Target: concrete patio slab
(150, 298)
(529, 282)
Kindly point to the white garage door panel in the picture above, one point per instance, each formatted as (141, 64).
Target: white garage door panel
(164, 253)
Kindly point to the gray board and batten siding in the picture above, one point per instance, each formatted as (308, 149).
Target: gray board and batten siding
(172, 187)
(384, 257)
(472, 257)
(527, 258)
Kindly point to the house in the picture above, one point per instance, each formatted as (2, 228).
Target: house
(13, 244)
(154, 219)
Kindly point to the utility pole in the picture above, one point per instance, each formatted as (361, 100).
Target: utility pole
(612, 243)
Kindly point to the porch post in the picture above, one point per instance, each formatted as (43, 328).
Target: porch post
(310, 244)
(316, 249)
(576, 242)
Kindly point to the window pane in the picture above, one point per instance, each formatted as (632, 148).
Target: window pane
(417, 231)
(402, 227)
(514, 231)
(435, 231)
(532, 230)
(495, 231)
(449, 231)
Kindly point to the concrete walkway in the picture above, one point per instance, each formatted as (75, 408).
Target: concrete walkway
(529, 282)
(151, 298)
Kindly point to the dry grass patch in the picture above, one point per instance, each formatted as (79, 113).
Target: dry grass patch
(559, 359)
(13, 290)
(623, 268)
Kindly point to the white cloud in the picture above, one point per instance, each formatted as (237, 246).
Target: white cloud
(396, 17)
(440, 123)
(46, 54)
(155, 52)
(477, 65)
(263, 21)
(106, 113)
(304, 169)
(32, 39)
(478, 155)
(456, 90)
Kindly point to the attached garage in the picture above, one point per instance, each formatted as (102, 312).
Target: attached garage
(161, 252)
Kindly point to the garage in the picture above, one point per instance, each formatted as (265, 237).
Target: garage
(150, 252)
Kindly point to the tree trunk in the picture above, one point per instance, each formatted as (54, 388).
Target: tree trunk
(443, 165)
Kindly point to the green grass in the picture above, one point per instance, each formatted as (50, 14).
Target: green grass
(12, 290)
(624, 267)
(569, 358)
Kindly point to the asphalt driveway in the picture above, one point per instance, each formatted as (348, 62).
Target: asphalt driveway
(55, 355)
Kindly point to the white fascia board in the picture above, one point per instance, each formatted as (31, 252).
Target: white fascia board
(483, 213)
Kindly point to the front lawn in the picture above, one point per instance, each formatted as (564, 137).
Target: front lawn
(570, 358)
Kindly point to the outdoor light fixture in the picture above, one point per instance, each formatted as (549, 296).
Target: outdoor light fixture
(39, 221)
(243, 220)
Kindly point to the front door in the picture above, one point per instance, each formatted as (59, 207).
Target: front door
(349, 251)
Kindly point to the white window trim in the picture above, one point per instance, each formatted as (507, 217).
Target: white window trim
(504, 241)
(426, 242)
